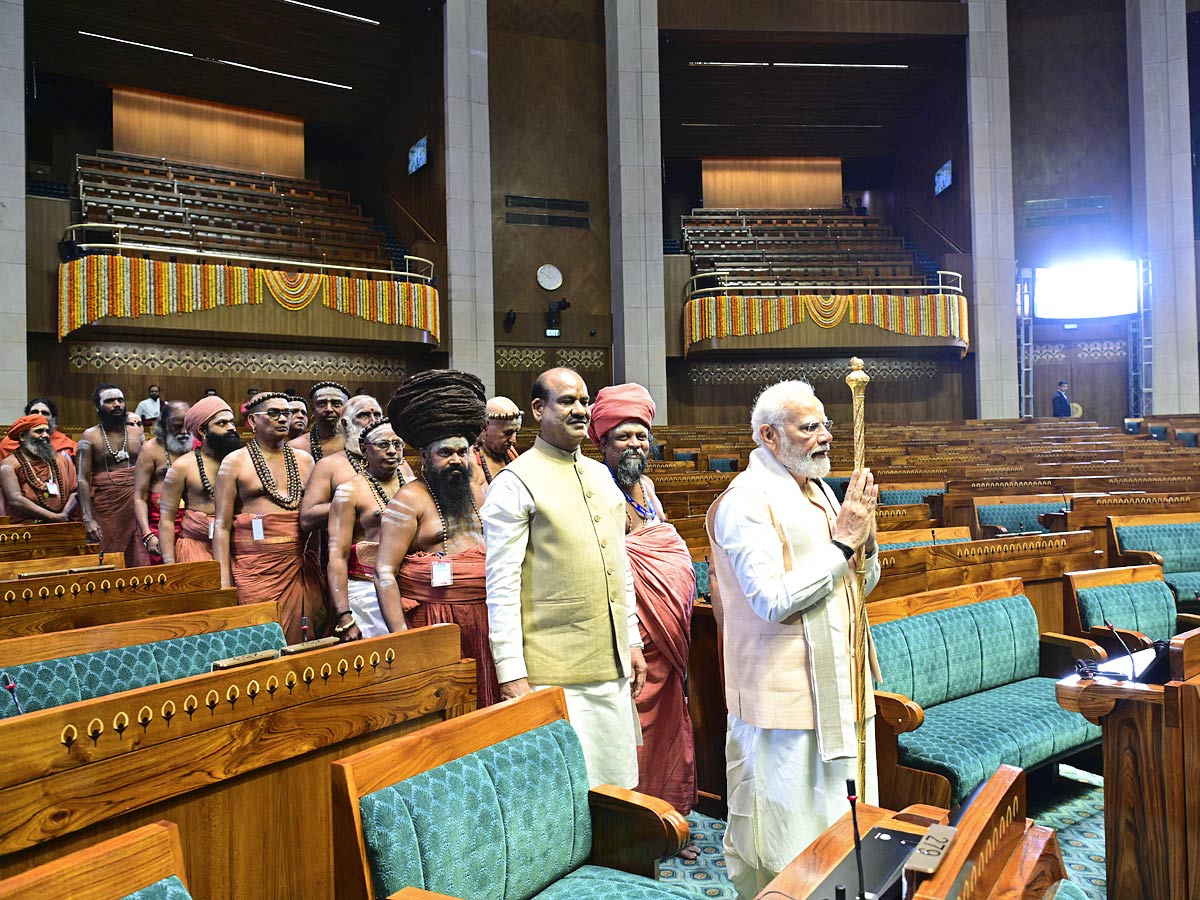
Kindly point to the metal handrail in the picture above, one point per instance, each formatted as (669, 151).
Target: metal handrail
(261, 260)
(945, 237)
(947, 282)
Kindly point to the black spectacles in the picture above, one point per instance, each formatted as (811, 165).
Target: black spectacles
(275, 414)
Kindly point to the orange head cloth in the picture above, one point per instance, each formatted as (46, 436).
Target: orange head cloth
(619, 403)
(23, 424)
(201, 412)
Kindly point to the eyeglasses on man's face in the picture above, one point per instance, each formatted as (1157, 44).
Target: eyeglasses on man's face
(814, 427)
(275, 414)
(394, 444)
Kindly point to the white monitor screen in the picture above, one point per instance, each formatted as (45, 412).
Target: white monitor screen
(418, 154)
(942, 178)
(1091, 289)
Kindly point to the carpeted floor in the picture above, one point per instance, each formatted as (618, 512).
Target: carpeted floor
(1073, 806)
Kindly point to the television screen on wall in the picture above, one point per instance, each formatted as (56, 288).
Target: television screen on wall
(1088, 289)
(418, 154)
(942, 178)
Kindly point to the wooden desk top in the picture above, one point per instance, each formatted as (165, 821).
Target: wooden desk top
(1093, 698)
(822, 856)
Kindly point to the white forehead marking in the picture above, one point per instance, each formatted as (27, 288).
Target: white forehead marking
(109, 393)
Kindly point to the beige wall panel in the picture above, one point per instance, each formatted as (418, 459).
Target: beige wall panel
(809, 183)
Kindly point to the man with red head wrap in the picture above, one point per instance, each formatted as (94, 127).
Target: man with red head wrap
(664, 584)
(39, 484)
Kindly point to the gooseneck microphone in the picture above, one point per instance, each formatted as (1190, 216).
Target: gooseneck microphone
(852, 796)
(11, 686)
(1113, 628)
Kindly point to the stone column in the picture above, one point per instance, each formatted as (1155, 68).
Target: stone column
(14, 353)
(992, 235)
(1160, 164)
(468, 281)
(635, 196)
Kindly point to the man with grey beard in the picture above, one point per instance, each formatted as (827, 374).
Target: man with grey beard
(171, 440)
(784, 553)
(39, 485)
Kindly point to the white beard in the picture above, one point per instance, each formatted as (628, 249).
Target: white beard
(803, 464)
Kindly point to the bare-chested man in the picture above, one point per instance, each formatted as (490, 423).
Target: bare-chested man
(298, 424)
(430, 566)
(354, 521)
(39, 485)
(325, 437)
(336, 468)
(497, 443)
(190, 485)
(106, 458)
(170, 442)
(256, 535)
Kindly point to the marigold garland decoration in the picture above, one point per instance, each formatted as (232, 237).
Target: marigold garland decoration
(924, 315)
(94, 287)
(291, 290)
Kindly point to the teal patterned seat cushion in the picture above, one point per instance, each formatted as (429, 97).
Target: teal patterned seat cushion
(1068, 890)
(1188, 438)
(1016, 517)
(723, 465)
(599, 883)
(906, 496)
(1148, 607)
(40, 685)
(194, 654)
(499, 824)
(684, 455)
(170, 888)
(902, 545)
(1186, 585)
(112, 671)
(701, 570)
(1158, 432)
(838, 485)
(1020, 724)
(1178, 544)
(950, 653)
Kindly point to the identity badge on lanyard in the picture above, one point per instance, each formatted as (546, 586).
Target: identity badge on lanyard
(52, 488)
(442, 573)
(212, 528)
(256, 528)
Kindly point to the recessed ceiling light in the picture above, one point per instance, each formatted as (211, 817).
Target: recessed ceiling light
(333, 12)
(222, 62)
(106, 37)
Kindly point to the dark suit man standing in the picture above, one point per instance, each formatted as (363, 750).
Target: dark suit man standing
(1062, 403)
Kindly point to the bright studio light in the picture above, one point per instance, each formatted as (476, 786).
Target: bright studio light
(1088, 289)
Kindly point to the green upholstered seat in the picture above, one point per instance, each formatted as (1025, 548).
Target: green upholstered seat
(1178, 544)
(508, 822)
(1188, 438)
(1068, 890)
(1186, 585)
(1017, 517)
(702, 588)
(723, 465)
(169, 888)
(906, 496)
(56, 682)
(904, 544)
(838, 485)
(974, 670)
(1147, 606)
(685, 455)
(1158, 432)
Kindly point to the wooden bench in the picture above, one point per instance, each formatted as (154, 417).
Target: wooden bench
(21, 569)
(1135, 599)
(1171, 541)
(58, 602)
(18, 542)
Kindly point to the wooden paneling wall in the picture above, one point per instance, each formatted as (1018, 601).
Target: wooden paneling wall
(199, 131)
(808, 183)
(721, 391)
(1094, 358)
(68, 372)
(517, 367)
(1070, 124)
(549, 126)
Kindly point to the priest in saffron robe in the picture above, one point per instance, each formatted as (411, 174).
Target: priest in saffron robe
(664, 584)
(39, 484)
(430, 563)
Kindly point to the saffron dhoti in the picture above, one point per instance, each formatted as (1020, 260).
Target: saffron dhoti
(112, 507)
(464, 603)
(193, 536)
(279, 567)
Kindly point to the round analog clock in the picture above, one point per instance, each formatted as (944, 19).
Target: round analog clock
(549, 277)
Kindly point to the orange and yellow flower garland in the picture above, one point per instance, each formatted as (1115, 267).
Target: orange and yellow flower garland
(95, 287)
(925, 315)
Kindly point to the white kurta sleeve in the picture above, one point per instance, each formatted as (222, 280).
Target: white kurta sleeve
(743, 529)
(506, 514)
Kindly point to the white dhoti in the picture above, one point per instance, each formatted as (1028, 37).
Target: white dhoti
(603, 715)
(364, 605)
(782, 796)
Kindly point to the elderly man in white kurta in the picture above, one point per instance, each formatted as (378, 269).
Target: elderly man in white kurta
(784, 557)
(560, 595)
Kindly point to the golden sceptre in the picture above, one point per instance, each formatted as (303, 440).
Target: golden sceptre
(857, 382)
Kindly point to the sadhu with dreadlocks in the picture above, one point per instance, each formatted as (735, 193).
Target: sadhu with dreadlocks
(430, 566)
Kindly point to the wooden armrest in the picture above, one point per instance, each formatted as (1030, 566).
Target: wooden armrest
(1059, 652)
(992, 531)
(1186, 621)
(412, 893)
(901, 713)
(1140, 558)
(923, 814)
(632, 831)
(1105, 637)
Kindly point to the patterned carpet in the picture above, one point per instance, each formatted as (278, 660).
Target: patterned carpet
(1073, 806)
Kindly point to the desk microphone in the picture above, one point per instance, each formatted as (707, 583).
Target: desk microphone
(303, 629)
(1111, 627)
(1066, 503)
(11, 686)
(852, 796)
